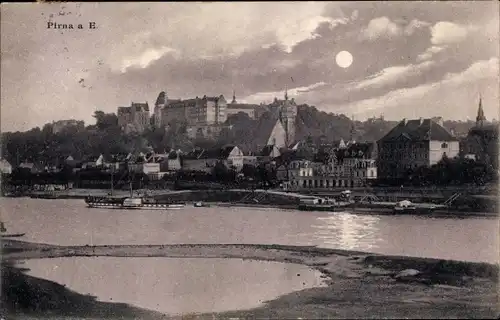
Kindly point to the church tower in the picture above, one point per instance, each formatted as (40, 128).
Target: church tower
(234, 97)
(480, 119)
(352, 139)
(288, 113)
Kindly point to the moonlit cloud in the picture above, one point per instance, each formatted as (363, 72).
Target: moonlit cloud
(381, 28)
(146, 58)
(429, 53)
(427, 99)
(444, 33)
(392, 75)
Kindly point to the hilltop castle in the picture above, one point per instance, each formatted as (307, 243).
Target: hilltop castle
(206, 116)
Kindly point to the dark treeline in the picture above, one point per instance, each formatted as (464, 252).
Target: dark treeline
(457, 171)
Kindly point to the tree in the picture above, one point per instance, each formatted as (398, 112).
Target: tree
(105, 121)
(249, 171)
(220, 172)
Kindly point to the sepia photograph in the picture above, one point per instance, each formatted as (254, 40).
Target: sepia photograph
(250, 160)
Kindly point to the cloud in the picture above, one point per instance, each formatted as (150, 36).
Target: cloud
(294, 33)
(414, 25)
(478, 70)
(354, 15)
(444, 33)
(381, 28)
(391, 75)
(429, 53)
(431, 99)
(146, 58)
(268, 97)
(385, 28)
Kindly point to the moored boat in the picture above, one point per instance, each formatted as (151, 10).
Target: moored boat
(405, 206)
(320, 204)
(3, 231)
(200, 204)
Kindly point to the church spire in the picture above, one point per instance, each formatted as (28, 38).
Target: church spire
(234, 97)
(480, 119)
(286, 92)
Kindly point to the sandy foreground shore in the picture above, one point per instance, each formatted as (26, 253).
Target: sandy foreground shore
(360, 285)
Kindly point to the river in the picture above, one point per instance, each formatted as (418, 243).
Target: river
(70, 222)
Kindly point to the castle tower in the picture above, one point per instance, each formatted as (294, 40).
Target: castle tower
(480, 119)
(160, 104)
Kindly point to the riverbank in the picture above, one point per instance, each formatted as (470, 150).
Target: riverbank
(360, 285)
(263, 198)
(367, 211)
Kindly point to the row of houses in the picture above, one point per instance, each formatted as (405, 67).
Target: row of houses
(409, 145)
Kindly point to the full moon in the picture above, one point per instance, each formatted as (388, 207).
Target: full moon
(344, 59)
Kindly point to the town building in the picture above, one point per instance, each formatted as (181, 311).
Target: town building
(296, 174)
(32, 167)
(174, 162)
(353, 165)
(5, 167)
(412, 144)
(234, 108)
(205, 160)
(94, 161)
(134, 118)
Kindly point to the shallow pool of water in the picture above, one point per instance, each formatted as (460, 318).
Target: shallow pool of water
(177, 286)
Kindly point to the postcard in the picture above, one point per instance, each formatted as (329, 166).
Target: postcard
(274, 160)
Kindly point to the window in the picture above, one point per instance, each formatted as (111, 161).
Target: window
(444, 145)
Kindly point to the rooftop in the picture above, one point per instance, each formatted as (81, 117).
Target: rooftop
(242, 106)
(419, 130)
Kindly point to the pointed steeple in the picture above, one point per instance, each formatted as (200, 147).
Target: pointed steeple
(480, 119)
(234, 97)
(286, 92)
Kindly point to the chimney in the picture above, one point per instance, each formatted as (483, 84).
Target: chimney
(421, 121)
(404, 122)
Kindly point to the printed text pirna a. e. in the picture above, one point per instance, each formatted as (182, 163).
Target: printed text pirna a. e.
(71, 26)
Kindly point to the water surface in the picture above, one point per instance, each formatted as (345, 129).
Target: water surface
(70, 222)
(177, 286)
